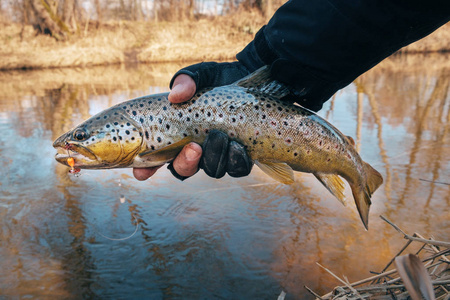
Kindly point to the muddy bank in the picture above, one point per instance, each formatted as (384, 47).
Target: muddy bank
(118, 42)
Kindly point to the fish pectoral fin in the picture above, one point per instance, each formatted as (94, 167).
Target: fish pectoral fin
(167, 153)
(334, 184)
(261, 81)
(281, 172)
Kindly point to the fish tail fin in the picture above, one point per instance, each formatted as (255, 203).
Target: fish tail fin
(374, 178)
(362, 192)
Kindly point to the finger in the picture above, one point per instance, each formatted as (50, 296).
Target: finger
(215, 148)
(183, 89)
(142, 174)
(239, 164)
(186, 163)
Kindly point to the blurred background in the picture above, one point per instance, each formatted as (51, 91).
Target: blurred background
(106, 235)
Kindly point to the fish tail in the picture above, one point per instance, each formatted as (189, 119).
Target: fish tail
(363, 190)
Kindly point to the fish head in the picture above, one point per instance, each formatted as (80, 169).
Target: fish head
(107, 140)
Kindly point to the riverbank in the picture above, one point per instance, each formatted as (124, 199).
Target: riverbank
(117, 42)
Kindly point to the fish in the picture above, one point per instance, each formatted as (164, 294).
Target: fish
(279, 137)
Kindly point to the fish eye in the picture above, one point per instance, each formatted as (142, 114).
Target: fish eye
(80, 135)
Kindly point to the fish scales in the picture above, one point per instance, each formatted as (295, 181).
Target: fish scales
(278, 136)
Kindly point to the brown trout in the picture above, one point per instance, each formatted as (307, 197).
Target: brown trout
(279, 137)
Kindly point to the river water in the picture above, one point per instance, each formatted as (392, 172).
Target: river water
(106, 235)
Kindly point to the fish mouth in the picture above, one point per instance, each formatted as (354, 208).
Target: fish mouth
(81, 155)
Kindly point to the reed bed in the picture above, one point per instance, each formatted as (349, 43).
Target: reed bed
(390, 283)
(116, 42)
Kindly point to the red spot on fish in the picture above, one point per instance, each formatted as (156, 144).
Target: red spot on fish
(288, 141)
(320, 143)
(349, 156)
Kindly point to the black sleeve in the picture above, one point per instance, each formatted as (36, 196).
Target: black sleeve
(318, 47)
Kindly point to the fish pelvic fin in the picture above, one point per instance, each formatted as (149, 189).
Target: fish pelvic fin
(281, 172)
(261, 81)
(334, 184)
(167, 153)
(362, 192)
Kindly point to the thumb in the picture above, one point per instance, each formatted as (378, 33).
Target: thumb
(183, 89)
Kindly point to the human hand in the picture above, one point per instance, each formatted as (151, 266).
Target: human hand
(220, 155)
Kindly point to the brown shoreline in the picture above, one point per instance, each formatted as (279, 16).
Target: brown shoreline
(121, 42)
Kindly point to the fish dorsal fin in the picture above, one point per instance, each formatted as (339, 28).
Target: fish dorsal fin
(334, 184)
(167, 153)
(262, 82)
(278, 171)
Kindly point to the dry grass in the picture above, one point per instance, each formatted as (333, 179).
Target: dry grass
(215, 38)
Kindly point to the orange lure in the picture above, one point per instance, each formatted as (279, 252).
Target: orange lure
(71, 163)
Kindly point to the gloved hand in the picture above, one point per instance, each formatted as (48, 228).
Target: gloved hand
(220, 155)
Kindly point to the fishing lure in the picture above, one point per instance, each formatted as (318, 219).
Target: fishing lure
(71, 163)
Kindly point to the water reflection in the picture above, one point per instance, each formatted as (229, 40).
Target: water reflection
(203, 238)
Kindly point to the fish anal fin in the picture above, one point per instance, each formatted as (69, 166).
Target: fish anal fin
(281, 172)
(261, 81)
(167, 153)
(334, 184)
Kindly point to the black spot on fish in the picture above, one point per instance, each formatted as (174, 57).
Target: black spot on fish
(206, 131)
(121, 125)
(231, 106)
(113, 130)
(141, 120)
(196, 131)
(169, 143)
(141, 105)
(124, 107)
(329, 159)
(120, 137)
(233, 120)
(196, 115)
(128, 124)
(185, 134)
(116, 113)
(220, 115)
(152, 147)
(285, 123)
(158, 139)
(263, 117)
(147, 136)
(159, 99)
(134, 113)
(279, 108)
(188, 119)
(206, 101)
(164, 107)
(255, 142)
(180, 114)
(190, 110)
(273, 146)
(167, 126)
(114, 138)
(127, 131)
(160, 120)
(104, 117)
(288, 141)
(268, 105)
(208, 114)
(98, 118)
(151, 118)
(256, 107)
(116, 123)
(140, 134)
(320, 143)
(107, 125)
(273, 123)
(295, 154)
(149, 102)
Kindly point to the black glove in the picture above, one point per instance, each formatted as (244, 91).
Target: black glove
(220, 155)
(212, 74)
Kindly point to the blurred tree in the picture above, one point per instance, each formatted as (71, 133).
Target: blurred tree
(54, 17)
